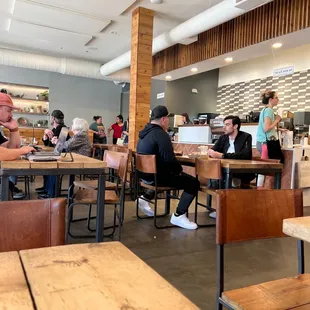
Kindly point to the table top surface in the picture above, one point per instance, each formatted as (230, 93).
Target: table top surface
(14, 292)
(298, 227)
(80, 161)
(234, 163)
(95, 276)
(106, 146)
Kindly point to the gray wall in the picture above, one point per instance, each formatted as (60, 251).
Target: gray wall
(180, 99)
(75, 96)
(157, 86)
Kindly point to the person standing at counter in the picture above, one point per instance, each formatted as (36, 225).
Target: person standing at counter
(117, 128)
(98, 129)
(186, 119)
(268, 143)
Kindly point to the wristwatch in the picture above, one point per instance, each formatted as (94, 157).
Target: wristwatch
(14, 130)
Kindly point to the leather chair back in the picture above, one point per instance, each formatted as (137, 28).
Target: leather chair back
(243, 215)
(146, 163)
(32, 224)
(207, 169)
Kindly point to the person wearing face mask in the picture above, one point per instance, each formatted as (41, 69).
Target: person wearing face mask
(154, 140)
(57, 121)
(79, 143)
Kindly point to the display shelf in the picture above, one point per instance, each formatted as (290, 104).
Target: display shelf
(29, 113)
(27, 99)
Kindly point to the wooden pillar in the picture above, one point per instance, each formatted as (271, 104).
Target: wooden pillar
(140, 72)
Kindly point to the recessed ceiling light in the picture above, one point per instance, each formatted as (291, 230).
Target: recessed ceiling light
(229, 59)
(194, 69)
(114, 32)
(277, 45)
(61, 48)
(168, 77)
(156, 1)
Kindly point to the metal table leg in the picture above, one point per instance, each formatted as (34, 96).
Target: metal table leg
(5, 188)
(227, 180)
(277, 180)
(100, 208)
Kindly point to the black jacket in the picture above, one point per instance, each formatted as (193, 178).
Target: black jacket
(243, 146)
(56, 131)
(153, 140)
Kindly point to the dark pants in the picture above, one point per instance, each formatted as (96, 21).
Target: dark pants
(50, 183)
(189, 184)
(114, 140)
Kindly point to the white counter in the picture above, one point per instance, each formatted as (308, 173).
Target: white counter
(194, 134)
(251, 129)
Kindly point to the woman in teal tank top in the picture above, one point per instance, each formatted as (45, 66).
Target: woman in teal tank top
(267, 120)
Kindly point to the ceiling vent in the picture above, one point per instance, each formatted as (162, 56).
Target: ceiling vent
(189, 41)
(248, 5)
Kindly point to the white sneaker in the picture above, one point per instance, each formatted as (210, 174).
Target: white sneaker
(183, 221)
(144, 206)
(212, 215)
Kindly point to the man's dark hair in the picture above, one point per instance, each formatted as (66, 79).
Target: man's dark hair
(120, 117)
(235, 120)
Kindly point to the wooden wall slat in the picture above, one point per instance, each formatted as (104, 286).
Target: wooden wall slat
(274, 19)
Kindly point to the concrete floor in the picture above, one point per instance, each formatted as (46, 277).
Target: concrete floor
(187, 259)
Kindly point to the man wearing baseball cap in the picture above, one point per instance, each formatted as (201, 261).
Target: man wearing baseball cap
(154, 140)
(10, 149)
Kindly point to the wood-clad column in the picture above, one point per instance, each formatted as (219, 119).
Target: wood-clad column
(140, 72)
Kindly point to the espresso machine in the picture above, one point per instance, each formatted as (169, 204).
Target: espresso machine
(301, 124)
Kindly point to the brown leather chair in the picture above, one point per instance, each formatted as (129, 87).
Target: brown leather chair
(32, 224)
(88, 197)
(245, 215)
(207, 169)
(147, 164)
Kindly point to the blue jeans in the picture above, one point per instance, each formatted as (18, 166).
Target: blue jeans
(50, 185)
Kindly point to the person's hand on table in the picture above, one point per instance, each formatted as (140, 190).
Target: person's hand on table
(54, 140)
(26, 149)
(11, 124)
(215, 154)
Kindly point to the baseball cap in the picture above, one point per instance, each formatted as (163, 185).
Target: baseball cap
(5, 100)
(160, 111)
(58, 114)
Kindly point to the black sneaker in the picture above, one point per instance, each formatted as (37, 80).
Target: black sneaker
(44, 196)
(40, 190)
(18, 195)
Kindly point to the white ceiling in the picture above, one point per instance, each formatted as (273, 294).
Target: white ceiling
(289, 41)
(87, 29)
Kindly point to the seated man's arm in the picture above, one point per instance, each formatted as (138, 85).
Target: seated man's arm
(245, 153)
(167, 154)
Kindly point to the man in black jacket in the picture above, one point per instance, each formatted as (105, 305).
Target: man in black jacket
(234, 144)
(154, 140)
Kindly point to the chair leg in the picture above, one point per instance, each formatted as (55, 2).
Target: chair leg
(207, 206)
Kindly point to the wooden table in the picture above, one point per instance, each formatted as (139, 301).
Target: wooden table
(103, 147)
(91, 276)
(298, 227)
(233, 166)
(80, 165)
(14, 292)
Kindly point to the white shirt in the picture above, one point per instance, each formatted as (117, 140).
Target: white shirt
(231, 148)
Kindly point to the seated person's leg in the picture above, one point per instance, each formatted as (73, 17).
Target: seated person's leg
(42, 189)
(245, 178)
(16, 192)
(50, 182)
(190, 186)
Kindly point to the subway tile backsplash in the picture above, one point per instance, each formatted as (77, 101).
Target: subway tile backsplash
(242, 98)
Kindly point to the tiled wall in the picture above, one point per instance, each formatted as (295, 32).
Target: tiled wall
(241, 98)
